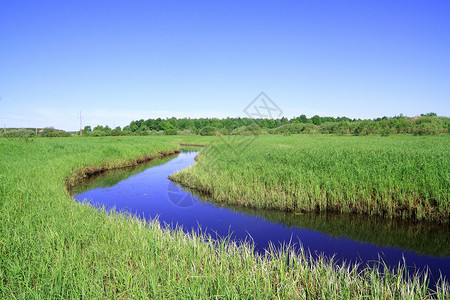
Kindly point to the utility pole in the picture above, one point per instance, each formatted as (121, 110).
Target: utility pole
(81, 131)
(4, 128)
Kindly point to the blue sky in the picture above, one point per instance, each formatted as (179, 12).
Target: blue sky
(118, 61)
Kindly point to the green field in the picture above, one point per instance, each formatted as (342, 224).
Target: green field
(54, 247)
(403, 176)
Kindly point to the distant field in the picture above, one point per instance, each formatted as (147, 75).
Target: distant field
(406, 176)
(53, 247)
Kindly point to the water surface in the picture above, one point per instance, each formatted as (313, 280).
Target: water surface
(147, 192)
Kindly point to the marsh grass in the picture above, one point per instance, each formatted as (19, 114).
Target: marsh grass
(54, 247)
(399, 176)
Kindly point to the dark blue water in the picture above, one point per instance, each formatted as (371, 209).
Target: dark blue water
(150, 194)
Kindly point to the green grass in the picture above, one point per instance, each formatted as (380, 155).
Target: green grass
(403, 176)
(53, 247)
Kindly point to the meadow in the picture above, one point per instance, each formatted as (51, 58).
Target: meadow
(54, 247)
(397, 176)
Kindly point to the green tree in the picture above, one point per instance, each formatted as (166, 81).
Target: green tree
(316, 120)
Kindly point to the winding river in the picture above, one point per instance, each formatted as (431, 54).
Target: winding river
(148, 193)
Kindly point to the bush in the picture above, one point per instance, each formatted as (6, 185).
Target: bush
(154, 132)
(288, 129)
(343, 128)
(248, 130)
(97, 133)
(52, 132)
(296, 128)
(208, 130)
(387, 131)
(426, 125)
(426, 129)
(171, 131)
(186, 132)
(19, 133)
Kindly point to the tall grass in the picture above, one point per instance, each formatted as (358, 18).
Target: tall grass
(403, 176)
(54, 247)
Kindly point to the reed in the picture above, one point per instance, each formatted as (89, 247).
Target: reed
(397, 176)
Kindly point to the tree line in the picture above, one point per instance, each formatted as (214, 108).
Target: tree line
(425, 124)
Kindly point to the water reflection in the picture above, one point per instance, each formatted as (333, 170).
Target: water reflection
(421, 237)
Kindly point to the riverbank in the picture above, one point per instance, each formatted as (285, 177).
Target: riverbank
(84, 173)
(53, 247)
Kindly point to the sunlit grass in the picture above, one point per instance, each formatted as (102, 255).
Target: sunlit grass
(403, 176)
(53, 247)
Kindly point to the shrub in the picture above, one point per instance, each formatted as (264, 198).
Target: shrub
(20, 133)
(426, 125)
(97, 133)
(52, 132)
(309, 128)
(208, 130)
(248, 130)
(186, 132)
(171, 131)
(288, 129)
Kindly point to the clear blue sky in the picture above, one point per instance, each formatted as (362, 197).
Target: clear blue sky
(118, 61)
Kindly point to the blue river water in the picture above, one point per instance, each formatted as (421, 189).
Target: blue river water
(150, 194)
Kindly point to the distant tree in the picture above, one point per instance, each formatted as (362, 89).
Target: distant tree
(164, 125)
(316, 120)
(134, 127)
(98, 128)
(144, 130)
(303, 119)
(116, 131)
(87, 130)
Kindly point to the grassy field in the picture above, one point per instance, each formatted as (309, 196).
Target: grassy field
(404, 176)
(54, 247)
